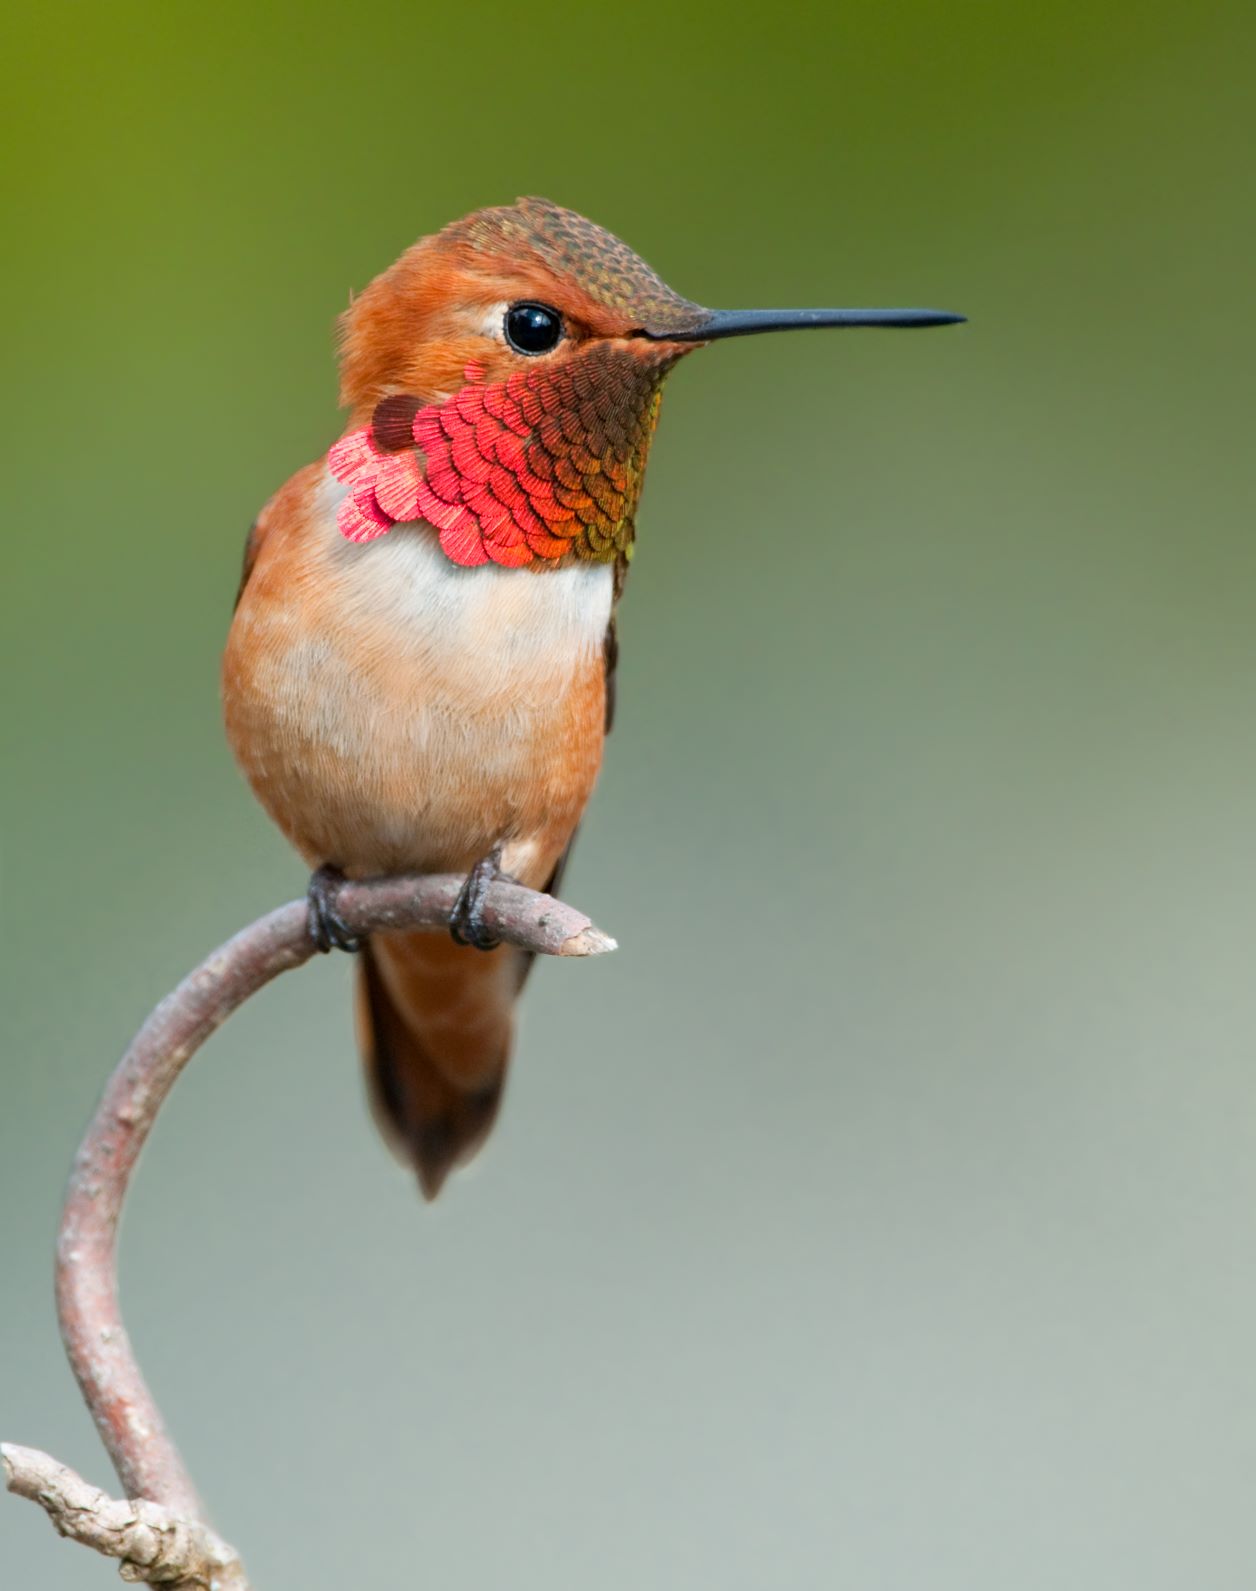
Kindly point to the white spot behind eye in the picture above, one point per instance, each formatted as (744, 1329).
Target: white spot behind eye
(494, 322)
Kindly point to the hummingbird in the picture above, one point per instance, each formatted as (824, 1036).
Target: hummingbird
(420, 671)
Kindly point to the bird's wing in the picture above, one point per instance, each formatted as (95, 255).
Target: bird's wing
(286, 502)
(252, 543)
(554, 882)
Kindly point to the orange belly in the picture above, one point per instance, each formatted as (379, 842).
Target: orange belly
(395, 712)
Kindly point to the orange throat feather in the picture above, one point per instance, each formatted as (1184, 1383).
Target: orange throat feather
(545, 465)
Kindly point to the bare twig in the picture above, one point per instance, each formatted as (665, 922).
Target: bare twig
(126, 1415)
(154, 1545)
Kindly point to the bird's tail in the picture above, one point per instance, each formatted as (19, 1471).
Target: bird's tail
(435, 1021)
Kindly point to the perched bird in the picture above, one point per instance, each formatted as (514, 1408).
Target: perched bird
(421, 668)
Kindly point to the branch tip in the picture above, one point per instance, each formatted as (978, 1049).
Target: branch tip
(589, 941)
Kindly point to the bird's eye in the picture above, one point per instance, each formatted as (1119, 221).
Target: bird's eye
(533, 328)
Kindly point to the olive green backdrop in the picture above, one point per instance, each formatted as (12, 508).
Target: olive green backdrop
(883, 1215)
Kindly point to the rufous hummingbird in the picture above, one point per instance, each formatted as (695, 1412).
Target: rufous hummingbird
(421, 668)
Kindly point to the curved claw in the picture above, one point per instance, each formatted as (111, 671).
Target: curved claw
(328, 928)
(466, 920)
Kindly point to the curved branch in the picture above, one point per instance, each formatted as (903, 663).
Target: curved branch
(126, 1415)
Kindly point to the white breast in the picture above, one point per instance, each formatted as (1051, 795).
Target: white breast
(393, 709)
(504, 624)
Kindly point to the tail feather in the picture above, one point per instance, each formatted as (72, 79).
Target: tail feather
(435, 1023)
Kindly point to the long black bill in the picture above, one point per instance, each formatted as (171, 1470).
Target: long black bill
(746, 322)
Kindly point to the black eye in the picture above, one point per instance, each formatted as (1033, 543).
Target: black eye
(533, 328)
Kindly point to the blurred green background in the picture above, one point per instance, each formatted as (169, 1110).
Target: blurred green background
(884, 1214)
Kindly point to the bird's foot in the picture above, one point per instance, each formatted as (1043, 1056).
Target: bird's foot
(328, 929)
(466, 920)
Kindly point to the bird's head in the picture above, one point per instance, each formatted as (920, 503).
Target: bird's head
(503, 379)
